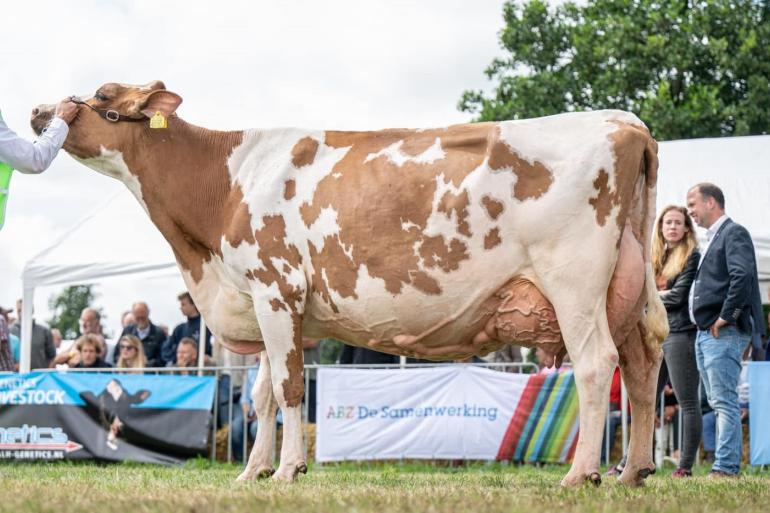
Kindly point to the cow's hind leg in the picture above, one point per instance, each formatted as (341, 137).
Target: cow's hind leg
(639, 365)
(260, 464)
(282, 333)
(594, 358)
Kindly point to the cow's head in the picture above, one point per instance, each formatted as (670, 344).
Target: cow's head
(114, 115)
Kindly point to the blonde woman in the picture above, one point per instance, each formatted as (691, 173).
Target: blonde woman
(675, 260)
(131, 353)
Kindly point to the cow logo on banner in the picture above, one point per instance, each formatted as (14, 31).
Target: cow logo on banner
(50, 416)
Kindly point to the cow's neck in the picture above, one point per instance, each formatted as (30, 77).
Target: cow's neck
(185, 185)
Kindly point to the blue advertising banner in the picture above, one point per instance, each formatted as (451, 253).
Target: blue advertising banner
(47, 415)
(759, 413)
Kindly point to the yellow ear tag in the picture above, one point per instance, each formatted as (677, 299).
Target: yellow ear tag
(158, 120)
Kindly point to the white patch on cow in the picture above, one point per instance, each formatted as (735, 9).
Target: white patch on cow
(111, 163)
(399, 158)
(408, 225)
(224, 302)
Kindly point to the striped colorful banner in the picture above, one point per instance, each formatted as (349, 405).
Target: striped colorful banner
(544, 427)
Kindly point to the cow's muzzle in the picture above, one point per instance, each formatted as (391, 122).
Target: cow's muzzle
(41, 116)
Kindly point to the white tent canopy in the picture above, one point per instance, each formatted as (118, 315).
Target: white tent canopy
(740, 166)
(115, 239)
(104, 244)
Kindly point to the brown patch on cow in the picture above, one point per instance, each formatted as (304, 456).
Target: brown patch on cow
(388, 196)
(447, 257)
(238, 229)
(633, 147)
(426, 283)
(459, 204)
(533, 180)
(294, 386)
(492, 238)
(276, 304)
(304, 152)
(493, 207)
(605, 199)
(341, 272)
(290, 189)
(271, 240)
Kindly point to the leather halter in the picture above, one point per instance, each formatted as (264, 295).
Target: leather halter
(108, 114)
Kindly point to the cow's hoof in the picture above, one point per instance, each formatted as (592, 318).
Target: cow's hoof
(645, 472)
(289, 474)
(261, 473)
(594, 478)
(635, 478)
(266, 472)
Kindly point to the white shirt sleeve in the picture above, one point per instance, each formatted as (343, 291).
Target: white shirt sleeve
(32, 157)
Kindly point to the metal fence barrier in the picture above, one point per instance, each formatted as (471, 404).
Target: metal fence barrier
(225, 404)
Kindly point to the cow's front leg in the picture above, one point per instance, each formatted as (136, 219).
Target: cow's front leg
(282, 333)
(260, 464)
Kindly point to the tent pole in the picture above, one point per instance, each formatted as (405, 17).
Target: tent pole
(27, 305)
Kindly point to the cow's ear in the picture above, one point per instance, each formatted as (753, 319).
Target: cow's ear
(161, 101)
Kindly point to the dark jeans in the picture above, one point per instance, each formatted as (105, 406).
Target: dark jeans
(679, 351)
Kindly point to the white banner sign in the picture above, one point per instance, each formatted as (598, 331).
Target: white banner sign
(451, 412)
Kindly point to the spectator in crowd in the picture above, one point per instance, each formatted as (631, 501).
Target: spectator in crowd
(152, 337)
(43, 349)
(56, 335)
(13, 340)
(615, 417)
(90, 324)
(767, 341)
(509, 353)
(131, 352)
(89, 348)
(190, 328)
(127, 319)
(675, 259)
(353, 355)
(726, 307)
(247, 415)
(311, 353)
(187, 356)
(6, 354)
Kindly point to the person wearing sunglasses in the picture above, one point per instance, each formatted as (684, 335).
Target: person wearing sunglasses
(131, 353)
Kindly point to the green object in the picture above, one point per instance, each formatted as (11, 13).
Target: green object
(5, 181)
(687, 69)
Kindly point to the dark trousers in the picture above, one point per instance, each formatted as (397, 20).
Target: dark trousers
(679, 351)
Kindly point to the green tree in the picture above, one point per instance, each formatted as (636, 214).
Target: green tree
(687, 68)
(67, 307)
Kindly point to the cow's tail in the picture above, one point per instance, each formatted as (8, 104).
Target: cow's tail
(655, 319)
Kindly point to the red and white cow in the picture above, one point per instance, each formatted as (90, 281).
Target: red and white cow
(439, 243)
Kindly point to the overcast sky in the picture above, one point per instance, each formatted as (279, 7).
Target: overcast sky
(329, 64)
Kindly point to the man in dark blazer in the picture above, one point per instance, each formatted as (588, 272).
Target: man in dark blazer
(726, 307)
(152, 336)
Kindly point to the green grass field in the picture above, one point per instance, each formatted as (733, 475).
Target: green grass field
(200, 486)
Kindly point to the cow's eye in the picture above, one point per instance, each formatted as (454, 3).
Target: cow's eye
(99, 96)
